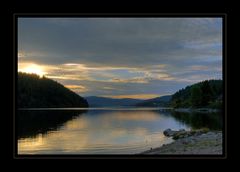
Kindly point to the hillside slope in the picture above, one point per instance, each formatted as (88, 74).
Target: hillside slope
(95, 101)
(162, 101)
(36, 92)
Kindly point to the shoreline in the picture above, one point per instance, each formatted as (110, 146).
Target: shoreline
(209, 143)
(199, 110)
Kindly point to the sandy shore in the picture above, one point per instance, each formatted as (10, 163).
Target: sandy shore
(206, 143)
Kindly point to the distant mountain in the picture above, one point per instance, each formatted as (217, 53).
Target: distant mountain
(37, 92)
(95, 101)
(162, 101)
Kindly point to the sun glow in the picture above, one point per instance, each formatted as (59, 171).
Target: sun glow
(34, 68)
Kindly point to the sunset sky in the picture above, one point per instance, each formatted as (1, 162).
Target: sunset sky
(122, 57)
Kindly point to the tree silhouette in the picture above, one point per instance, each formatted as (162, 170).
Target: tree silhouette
(196, 98)
(36, 92)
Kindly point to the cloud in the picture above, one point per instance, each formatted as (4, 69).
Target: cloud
(109, 88)
(124, 56)
(121, 42)
(77, 88)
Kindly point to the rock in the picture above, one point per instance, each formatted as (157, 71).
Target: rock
(176, 134)
(183, 134)
(209, 143)
(180, 134)
(181, 130)
(168, 132)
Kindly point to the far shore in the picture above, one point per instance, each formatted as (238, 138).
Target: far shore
(200, 110)
(209, 143)
(187, 110)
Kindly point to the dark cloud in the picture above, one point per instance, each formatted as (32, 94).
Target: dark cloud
(184, 45)
(120, 41)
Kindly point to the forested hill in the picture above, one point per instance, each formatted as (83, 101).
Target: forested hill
(95, 101)
(162, 101)
(37, 92)
(208, 93)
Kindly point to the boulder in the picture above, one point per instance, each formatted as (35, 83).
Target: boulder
(169, 133)
(182, 133)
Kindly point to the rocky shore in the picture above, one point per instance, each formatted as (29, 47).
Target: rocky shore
(200, 142)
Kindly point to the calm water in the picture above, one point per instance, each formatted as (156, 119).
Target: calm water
(102, 131)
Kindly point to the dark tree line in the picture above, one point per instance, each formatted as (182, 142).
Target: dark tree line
(36, 92)
(203, 94)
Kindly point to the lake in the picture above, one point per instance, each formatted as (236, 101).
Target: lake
(102, 130)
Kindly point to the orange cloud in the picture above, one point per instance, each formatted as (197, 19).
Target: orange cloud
(77, 88)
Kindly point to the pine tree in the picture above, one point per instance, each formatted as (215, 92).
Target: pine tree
(196, 96)
(207, 95)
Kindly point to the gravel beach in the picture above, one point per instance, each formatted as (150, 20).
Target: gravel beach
(209, 143)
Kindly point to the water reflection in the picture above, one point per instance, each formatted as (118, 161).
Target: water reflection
(212, 121)
(30, 123)
(102, 131)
